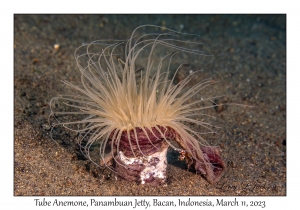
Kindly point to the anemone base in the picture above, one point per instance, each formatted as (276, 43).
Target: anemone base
(149, 169)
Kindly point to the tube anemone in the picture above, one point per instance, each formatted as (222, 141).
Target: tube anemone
(136, 115)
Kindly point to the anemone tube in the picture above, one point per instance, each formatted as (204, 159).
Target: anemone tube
(142, 156)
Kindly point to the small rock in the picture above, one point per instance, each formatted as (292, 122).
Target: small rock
(46, 127)
(56, 46)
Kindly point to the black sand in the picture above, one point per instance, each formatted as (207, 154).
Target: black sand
(249, 61)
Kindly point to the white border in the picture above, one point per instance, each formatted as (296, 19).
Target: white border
(154, 6)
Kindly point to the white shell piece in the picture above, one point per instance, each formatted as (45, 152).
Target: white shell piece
(157, 170)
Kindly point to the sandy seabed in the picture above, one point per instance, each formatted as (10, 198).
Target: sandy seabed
(249, 62)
